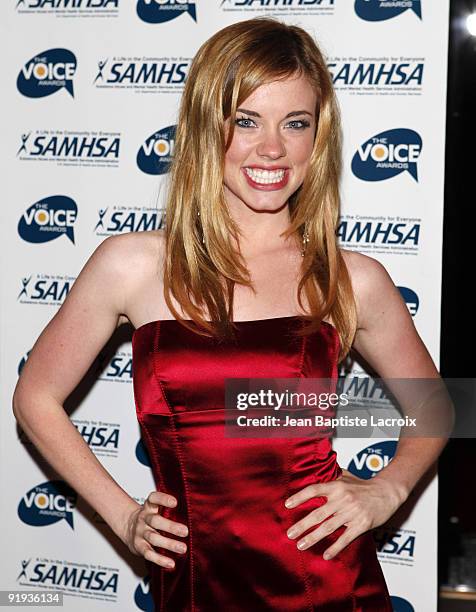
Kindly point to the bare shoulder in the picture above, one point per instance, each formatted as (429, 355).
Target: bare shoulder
(140, 257)
(361, 267)
(134, 248)
(386, 335)
(372, 284)
(99, 298)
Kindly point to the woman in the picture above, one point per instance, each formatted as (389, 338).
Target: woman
(246, 281)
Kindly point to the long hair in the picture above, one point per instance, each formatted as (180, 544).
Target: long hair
(201, 264)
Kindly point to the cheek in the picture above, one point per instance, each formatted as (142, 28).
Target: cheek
(301, 157)
(236, 155)
(304, 150)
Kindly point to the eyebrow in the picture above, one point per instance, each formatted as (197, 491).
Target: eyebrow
(291, 114)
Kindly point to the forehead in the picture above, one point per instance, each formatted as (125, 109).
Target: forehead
(290, 93)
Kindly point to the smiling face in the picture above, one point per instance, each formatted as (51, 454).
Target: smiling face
(271, 147)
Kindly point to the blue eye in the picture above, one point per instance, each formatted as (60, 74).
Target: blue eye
(295, 124)
(240, 121)
(302, 124)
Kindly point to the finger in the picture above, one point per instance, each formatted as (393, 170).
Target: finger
(162, 499)
(151, 555)
(158, 522)
(313, 518)
(317, 489)
(157, 539)
(346, 538)
(150, 507)
(326, 528)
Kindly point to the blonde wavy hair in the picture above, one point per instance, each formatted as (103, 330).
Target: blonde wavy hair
(227, 69)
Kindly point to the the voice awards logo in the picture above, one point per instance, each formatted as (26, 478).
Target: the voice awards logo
(388, 154)
(69, 8)
(46, 73)
(160, 11)
(155, 154)
(45, 289)
(143, 597)
(71, 148)
(48, 503)
(411, 299)
(380, 10)
(121, 218)
(370, 460)
(49, 219)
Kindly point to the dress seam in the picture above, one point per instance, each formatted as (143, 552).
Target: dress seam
(160, 478)
(161, 483)
(187, 501)
(155, 346)
(306, 577)
(304, 574)
(182, 469)
(303, 352)
(334, 374)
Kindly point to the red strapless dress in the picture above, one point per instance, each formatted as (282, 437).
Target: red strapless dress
(231, 491)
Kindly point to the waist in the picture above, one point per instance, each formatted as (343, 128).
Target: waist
(191, 454)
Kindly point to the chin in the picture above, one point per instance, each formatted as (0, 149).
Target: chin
(264, 206)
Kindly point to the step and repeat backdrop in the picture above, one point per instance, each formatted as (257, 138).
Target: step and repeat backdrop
(90, 96)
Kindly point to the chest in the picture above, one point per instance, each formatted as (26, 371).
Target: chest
(274, 292)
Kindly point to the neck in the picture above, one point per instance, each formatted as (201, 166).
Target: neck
(260, 231)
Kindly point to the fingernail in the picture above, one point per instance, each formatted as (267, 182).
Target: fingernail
(302, 544)
(288, 503)
(292, 533)
(327, 556)
(183, 531)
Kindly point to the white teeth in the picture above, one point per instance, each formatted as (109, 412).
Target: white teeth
(265, 177)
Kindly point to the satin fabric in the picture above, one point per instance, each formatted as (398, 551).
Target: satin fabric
(231, 491)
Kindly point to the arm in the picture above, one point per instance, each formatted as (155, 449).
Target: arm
(387, 339)
(59, 359)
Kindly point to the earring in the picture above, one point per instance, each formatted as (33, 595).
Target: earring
(305, 240)
(203, 237)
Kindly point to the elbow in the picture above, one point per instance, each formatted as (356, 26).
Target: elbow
(18, 400)
(16, 405)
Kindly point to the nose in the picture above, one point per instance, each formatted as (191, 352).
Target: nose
(271, 145)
